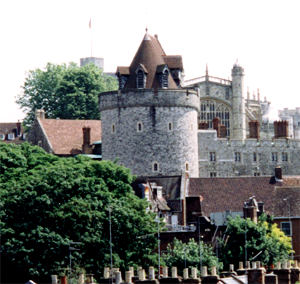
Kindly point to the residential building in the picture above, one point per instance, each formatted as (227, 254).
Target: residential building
(66, 137)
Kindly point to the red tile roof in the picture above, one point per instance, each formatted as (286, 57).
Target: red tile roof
(123, 70)
(174, 61)
(150, 54)
(66, 136)
(221, 194)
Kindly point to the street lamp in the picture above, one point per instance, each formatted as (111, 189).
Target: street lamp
(110, 237)
(290, 222)
(157, 219)
(70, 254)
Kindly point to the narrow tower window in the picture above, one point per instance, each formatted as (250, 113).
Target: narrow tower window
(170, 126)
(155, 167)
(139, 127)
(187, 166)
(113, 128)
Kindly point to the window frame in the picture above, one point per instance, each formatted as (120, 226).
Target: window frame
(284, 156)
(290, 228)
(238, 157)
(139, 126)
(212, 174)
(212, 156)
(274, 156)
(155, 167)
(113, 128)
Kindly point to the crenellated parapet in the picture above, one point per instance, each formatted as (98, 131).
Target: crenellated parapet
(149, 98)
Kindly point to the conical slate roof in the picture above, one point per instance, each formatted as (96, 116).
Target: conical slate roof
(150, 56)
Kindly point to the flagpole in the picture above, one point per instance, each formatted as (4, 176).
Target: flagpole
(91, 35)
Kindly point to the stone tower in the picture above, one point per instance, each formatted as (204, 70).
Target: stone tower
(238, 103)
(150, 124)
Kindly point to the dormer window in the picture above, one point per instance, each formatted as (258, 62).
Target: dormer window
(165, 81)
(123, 74)
(163, 76)
(141, 76)
(122, 81)
(140, 79)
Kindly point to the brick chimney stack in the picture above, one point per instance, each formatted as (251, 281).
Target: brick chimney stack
(86, 146)
(250, 209)
(281, 129)
(19, 128)
(40, 113)
(254, 129)
(221, 129)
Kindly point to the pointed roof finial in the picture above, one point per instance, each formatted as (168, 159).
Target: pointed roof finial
(146, 37)
(206, 71)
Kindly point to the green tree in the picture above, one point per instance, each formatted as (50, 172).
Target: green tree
(47, 202)
(183, 255)
(264, 241)
(64, 91)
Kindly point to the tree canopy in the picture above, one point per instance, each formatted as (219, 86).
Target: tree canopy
(264, 241)
(64, 91)
(47, 202)
(184, 255)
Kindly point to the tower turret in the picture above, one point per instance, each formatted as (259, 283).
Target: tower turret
(150, 124)
(238, 103)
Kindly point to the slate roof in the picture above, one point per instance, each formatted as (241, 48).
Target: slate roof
(221, 194)
(65, 135)
(150, 54)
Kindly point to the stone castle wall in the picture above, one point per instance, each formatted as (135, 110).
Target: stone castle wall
(144, 127)
(268, 154)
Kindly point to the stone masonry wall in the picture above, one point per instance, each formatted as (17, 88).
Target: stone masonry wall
(225, 164)
(143, 127)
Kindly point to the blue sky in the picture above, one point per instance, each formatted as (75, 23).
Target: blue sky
(262, 35)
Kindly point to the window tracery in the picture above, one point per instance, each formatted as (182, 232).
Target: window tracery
(210, 109)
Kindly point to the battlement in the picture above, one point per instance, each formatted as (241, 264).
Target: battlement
(149, 98)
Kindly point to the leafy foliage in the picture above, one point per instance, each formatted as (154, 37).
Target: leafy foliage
(188, 255)
(67, 92)
(264, 242)
(48, 202)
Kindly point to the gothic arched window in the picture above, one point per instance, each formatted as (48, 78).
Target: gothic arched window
(210, 109)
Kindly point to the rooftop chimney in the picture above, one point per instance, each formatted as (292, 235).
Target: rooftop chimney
(254, 129)
(281, 129)
(203, 125)
(250, 209)
(40, 113)
(86, 146)
(18, 128)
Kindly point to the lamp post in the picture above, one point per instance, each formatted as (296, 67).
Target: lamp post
(199, 240)
(290, 221)
(158, 242)
(70, 255)
(110, 237)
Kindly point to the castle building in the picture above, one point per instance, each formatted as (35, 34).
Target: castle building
(150, 124)
(156, 124)
(226, 99)
(293, 117)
